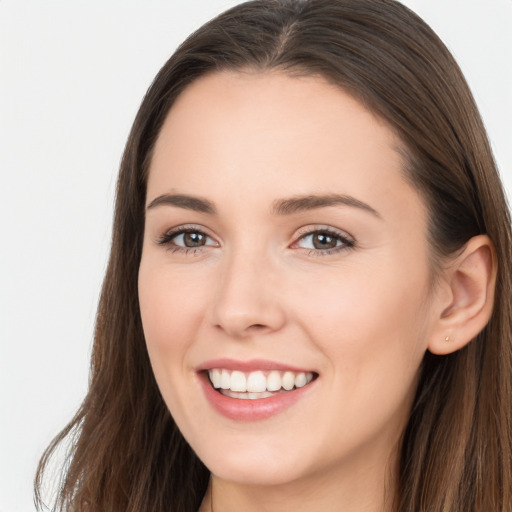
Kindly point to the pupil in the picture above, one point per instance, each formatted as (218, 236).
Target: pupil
(193, 239)
(324, 241)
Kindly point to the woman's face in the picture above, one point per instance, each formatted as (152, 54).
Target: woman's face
(283, 249)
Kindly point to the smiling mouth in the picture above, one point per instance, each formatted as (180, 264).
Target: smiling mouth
(257, 384)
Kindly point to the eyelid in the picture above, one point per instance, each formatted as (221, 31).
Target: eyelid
(315, 228)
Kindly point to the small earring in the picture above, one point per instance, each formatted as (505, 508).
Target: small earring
(447, 339)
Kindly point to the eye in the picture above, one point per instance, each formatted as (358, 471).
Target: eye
(190, 239)
(186, 238)
(324, 241)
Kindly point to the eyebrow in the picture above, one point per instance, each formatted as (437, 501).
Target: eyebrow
(289, 206)
(310, 202)
(184, 201)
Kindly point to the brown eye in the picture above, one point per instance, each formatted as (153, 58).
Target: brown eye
(324, 241)
(187, 239)
(193, 239)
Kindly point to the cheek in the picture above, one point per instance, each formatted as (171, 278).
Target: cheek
(371, 331)
(171, 305)
(172, 312)
(370, 322)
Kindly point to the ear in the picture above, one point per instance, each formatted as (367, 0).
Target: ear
(466, 297)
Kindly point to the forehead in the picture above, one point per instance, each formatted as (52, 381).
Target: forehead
(269, 134)
(271, 108)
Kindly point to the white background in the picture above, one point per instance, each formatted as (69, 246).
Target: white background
(72, 75)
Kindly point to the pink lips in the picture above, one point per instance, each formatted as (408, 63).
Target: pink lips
(249, 410)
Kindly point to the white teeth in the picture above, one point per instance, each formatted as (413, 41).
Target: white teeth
(247, 396)
(255, 384)
(238, 382)
(300, 380)
(216, 378)
(274, 381)
(288, 381)
(225, 380)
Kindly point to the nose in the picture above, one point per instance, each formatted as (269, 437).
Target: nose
(248, 301)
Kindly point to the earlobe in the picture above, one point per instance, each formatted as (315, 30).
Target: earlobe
(466, 307)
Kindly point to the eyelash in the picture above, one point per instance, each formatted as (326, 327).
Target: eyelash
(347, 242)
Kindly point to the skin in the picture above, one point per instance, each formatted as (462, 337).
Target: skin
(361, 317)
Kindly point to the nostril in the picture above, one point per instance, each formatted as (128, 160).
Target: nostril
(257, 328)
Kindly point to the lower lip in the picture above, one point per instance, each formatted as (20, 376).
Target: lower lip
(251, 410)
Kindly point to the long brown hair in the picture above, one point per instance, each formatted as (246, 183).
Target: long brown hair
(125, 452)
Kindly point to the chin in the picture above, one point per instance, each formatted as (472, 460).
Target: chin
(254, 466)
(255, 474)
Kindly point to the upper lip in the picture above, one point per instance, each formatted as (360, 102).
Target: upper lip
(249, 366)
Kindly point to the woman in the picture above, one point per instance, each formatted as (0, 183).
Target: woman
(308, 295)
